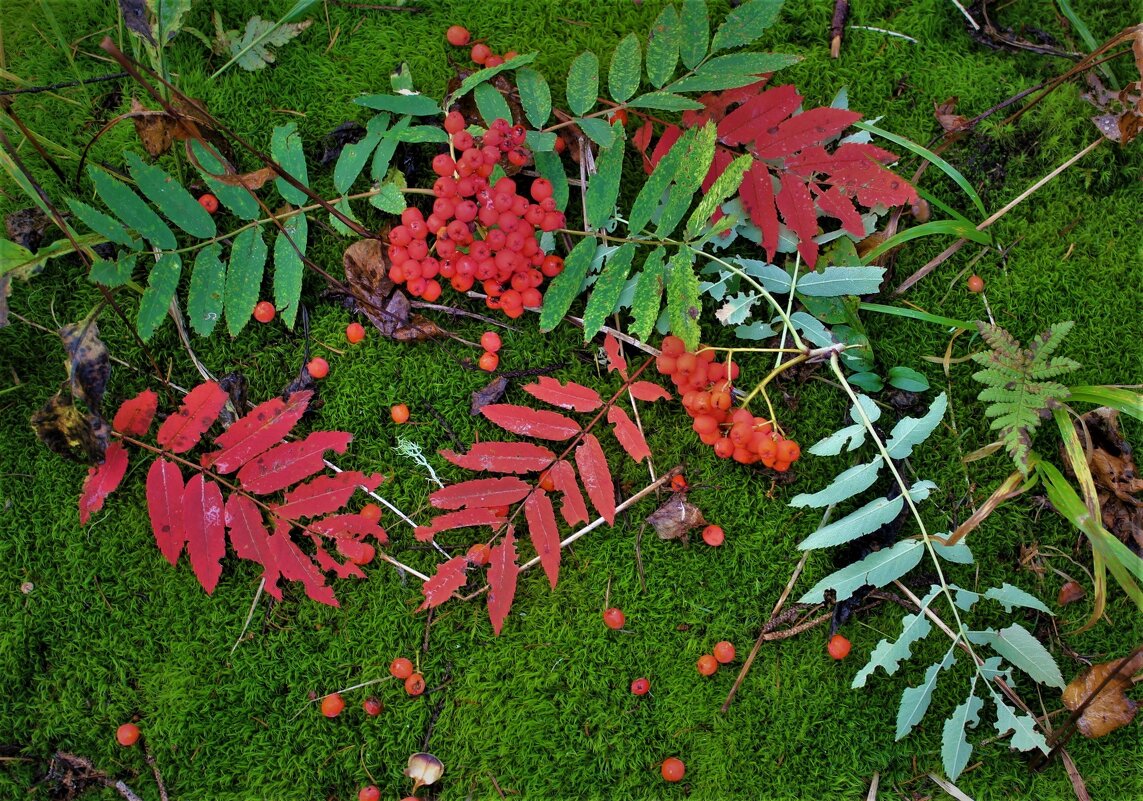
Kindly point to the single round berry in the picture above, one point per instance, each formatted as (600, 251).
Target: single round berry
(489, 362)
(838, 646)
(318, 368)
(370, 792)
(208, 202)
(332, 705)
(975, 284)
(354, 333)
(372, 706)
(618, 116)
(371, 512)
(640, 687)
(724, 652)
(401, 668)
(264, 311)
(490, 341)
(679, 483)
(415, 684)
(614, 618)
(673, 769)
(127, 734)
(458, 35)
(399, 413)
(707, 665)
(479, 554)
(480, 53)
(713, 536)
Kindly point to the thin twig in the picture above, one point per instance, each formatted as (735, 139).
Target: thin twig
(63, 84)
(250, 615)
(147, 755)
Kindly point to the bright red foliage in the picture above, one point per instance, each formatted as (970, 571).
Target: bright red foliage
(165, 505)
(182, 430)
(615, 360)
(571, 395)
(480, 492)
(628, 434)
(265, 426)
(291, 462)
(596, 477)
(502, 572)
(502, 457)
(465, 518)
(102, 480)
(545, 534)
(531, 422)
(648, 391)
(449, 578)
(135, 415)
(203, 522)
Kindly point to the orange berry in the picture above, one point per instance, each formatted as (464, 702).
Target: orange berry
(724, 651)
(332, 705)
(458, 35)
(318, 368)
(975, 284)
(546, 481)
(371, 512)
(723, 448)
(372, 706)
(127, 734)
(208, 202)
(673, 346)
(399, 413)
(838, 646)
(401, 668)
(707, 665)
(354, 333)
(489, 362)
(618, 116)
(490, 341)
(264, 311)
(679, 483)
(415, 684)
(713, 536)
(479, 554)
(788, 451)
(673, 769)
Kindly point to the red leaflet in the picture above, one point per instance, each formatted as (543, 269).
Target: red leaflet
(481, 492)
(291, 462)
(341, 526)
(545, 535)
(758, 115)
(135, 415)
(475, 516)
(628, 434)
(355, 550)
(165, 507)
(449, 578)
(671, 135)
(249, 538)
(102, 480)
(203, 521)
(567, 396)
(722, 159)
(642, 140)
(502, 580)
(813, 127)
(649, 391)
(296, 566)
(264, 426)
(182, 430)
(615, 360)
(531, 422)
(327, 562)
(573, 507)
(596, 477)
(715, 105)
(324, 494)
(797, 209)
(857, 167)
(834, 203)
(757, 193)
(502, 457)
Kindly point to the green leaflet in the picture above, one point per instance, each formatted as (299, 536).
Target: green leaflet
(687, 181)
(286, 150)
(856, 524)
(915, 700)
(107, 227)
(389, 199)
(664, 101)
(288, 267)
(113, 273)
(623, 73)
(955, 748)
(540, 141)
(491, 103)
(549, 166)
(603, 188)
(836, 281)
(907, 379)
(663, 47)
(160, 291)
(131, 210)
(236, 198)
(565, 287)
(479, 77)
(747, 64)
(414, 105)
(385, 150)
(583, 83)
(535, 96)
(19, 262)
(912, 431)
(1016, 644)
(878, 569)
(845, 485)
(1025, 737)
(723, 187)
(608, 287)
(401, 79)
(1125, 400)
(208, 281)
(353, 157)
(343, 206)
(695, 33)
(745, 24)
(889, 655)
(683, 303)
(870, 382)
(710, 83)
(648, 295)
(244, 278)
(598, 130)
(854, 435)
(1010, 597)
(172, 199)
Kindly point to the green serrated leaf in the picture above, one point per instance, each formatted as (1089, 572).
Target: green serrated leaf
(207, 284)
(353, 156)
(415, 105)
(131, 210)
(664, 101)
(663, 47)
(836, 281)
(695, 32)
(865, 520)
(1010, 597)
(401, 79)
(244, 278)
(745, 24)
(1016, 644)
(661, 177)
(683, 303)
(383, 155)
(603, 187)
(486, 74)
(252, 49)
(598, 130)
(912, 431)
(907, 379)
(160, 291)
(235, 198)
(565, 287)
(389, 199)
(343, 206)
(747, 64)
(286, 150)
(623, 73)
(112, 273)
(773, 278)
(915, 700)
(1025, 736)
(958, 554)
(847, 484)
(648, 294)
(608, 287)
(491, 104)
(955, 748)
(737, 308)
(535, 96)
(549, 166)
(850, 437)
(889, 655)
(583, 83)
(107, 227)
(688, 180)
(878, 569)
(712, 82)
(755, 331)
(288, 266)
(536, 141)
(723, 187)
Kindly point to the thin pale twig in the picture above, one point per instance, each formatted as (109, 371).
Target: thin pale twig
(250, 614)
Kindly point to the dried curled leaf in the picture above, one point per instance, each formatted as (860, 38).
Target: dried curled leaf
(676, 517)
(1111, 709)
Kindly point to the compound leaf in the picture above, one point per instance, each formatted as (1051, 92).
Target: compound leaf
(877, 569)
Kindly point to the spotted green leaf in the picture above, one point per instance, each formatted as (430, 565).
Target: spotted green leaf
(695, 33)
(608, 287)
(549, 166)
(663, 46)
(491, 103)
(648, 294)
(353, 156)
(745, 24)
(286, 150)
(535, 96)
(599, 131)
(131, 210)
(623, 73)
(244, 278)
(389, 199)
(683, 303)
(179, 206)
(113, 273)
(160, 291)
(288, 267)
(415, 105)
(105, 226)
(565, 287)
(664, 101)
(235, 198)
(583, 83)
(208, 282)
(603, 188)
(723, 187)
(747, 64)
(651, 194)
(688, 180)
(878, 569)
(387, 147)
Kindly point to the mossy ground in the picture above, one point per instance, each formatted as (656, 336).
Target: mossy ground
(543, 711)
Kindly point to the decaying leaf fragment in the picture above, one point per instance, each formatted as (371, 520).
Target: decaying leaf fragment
(375, 296)
(676, 517)
(1111, 709)
(1117, 480)
(424, 769)
(66, 430)
(157, 129)
(89, 364)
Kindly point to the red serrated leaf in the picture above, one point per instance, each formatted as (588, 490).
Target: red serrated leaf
(291, 462)
(596, 477)
(296, 566)
(502, 457)
(671, 134)
(537, 423)
(349, 524)
(263, 427)
(567, 396)
(858, 168)
(328, 563)
(355, 550)
(502, 574)
(716, 104)
(102, 480)
(834, 203)
(758, 115)
(642, 141)
(757, 194)
(813, 127)
(544, 532)
(722, 159)
(324, 494)
(203, 521)
(481, 492)
(465, 518)
(165, 507)
(573, 508)
(250, 539)
(797, 209)
(135, 415)
(615, 360)
(182, 430)
(649, 391)
(628, 434)
(449, 578)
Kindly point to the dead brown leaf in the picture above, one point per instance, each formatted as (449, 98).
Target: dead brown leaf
(250, 180)
(1116, 477)
(950, 121)
(1122, 117)
(66, 430)
(676, 517)
(1071, 592)
(1111, 708)
(89, 364)
(157, 129)
(26, 227)
(491, 393)
(375, 296)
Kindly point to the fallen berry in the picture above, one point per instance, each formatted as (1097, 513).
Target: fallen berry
(618, 116)
(640, 687)
(975, 284)
(318, 368)
(614, 618)
(673, 769)
(713, 536)
(489, 362)
(371, 512)
(415, 684)
(838, 646)
(490, 341)
(480, 53)
(399, 413)
(264, 311)
(332, 705)
(127, 734)
(401, 668)
(707, 665)
(479, 554)
(208, 202)
(679, 483)
(458, 35)
(370, 792)
(354, 333)
(372, 706)
(724, 651)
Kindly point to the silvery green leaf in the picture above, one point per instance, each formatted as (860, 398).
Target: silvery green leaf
(737, 308)
(994, 668)
(755, 331)
(955, 748)
(889, 655)
(912, 431)
(921, 489)
(772, 277)
(865, 520)
(836, 281)
(847, 484)
(957, 553)
(915, 700)
(1016, 644)
(877, 569)
(1025, 736)
(869, 406)
(907, 379)
(964, 599)
(1011, 596)
(831, 446)
(812, 329)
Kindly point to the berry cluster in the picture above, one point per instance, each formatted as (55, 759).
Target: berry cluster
(478, 231)
(708, 397)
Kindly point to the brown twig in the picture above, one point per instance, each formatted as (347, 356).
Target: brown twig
(837, 27)
(63, 84)
(147, 755)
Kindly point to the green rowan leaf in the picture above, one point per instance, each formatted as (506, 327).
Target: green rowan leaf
(107, 227)
(235, 198)
(550, 166)
(598, 130)
(747, 64)
(565, 287)
(664, 101)
(1025, 736)
(353, 156)
(491, 104)
(912, 431)
(683, 303)
(1010, 597)
(1016, 644)
(112, 273)
(342, 205)
(160, 291)
(745, 24)
(713, 82)
(889, 655)
(836, 281)
(955, 748)
(663, 46)
(415, 105)
(688, 180)
(131, 210)
(907, 379)
(286, 150)
(583, 83)
(723, 187)
(288, 267)
(845, 485)
(535, 96)
(603, 187)
(487, 74)
(207, 284)
(608, 287)
(623, 73)
(389, 198)
(648, 294)
(695, 32)
(383, 155)
(244, 278)
(915, 700)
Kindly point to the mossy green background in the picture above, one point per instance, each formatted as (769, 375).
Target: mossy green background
(111, 631)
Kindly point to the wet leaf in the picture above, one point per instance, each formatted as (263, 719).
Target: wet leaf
(66, 430)
(89, 365)
(1111, 708)
(375, 296)
(1117, 480)
(676, 517)
(493, 392)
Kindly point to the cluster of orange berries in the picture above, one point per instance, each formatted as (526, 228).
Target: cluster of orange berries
(708, 397)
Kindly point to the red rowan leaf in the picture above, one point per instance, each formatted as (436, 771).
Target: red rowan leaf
(670, 135)
(481, 492)
(858, 168)
(165, 507)
(203, 521)
(340, 526)
(328, 563)
(262, 428)
(615, 360)
(596, 477)
(135, 415)
(722, 159)
(642, 140)
(449, 578)
(716, 104)
(102, 480)
(291, 462)
(573, 508)
(324, 494)
(249, 538)
(355, 550)
(296, 566)
(757, 194)
(502, 573)
(502, 457)
(567, 396)
(797, 209)
(537, 423)
(649, 391)
(545, 534)
(465, 518)
(182, 430)
(758, 115)
(834, 203)
(628, 434)
(813, 127)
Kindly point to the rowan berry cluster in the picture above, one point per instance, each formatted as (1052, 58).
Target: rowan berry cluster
(708, 396)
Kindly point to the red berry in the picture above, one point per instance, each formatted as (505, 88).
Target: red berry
(673, 769)
(707, 665)
(713, 536)
(354, 333)
(975, 284)
(493, 61)
(318, 367)
(401, 668)
(724, 651)
(479, 554)
(209, 202)
(541, 188)
(614, 618)
(490, 341)
(458, 35)
(673, 346)
(679, 483)
(489, 362)
(372, 706)
(399, 413)
(371, 511)
(640, 687)
(838, 646)
(480, 53)
(618, 116)
(264, 311)
(127, 734)
(415, 684)
(332, 705)
(370, 792)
